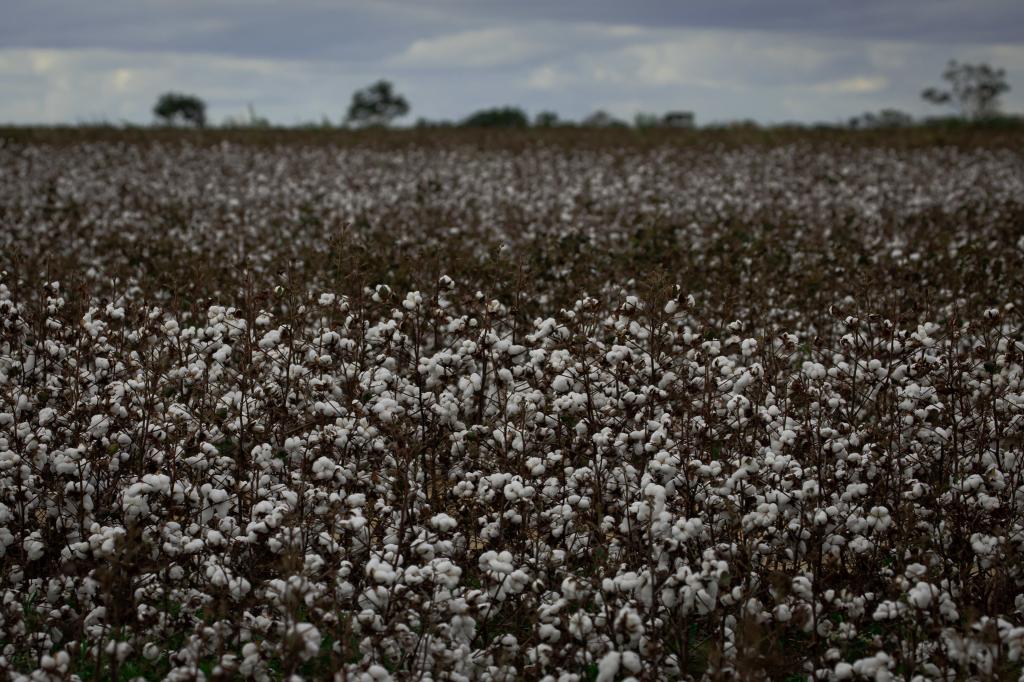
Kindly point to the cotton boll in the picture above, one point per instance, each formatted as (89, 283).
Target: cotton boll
(34, 546)
(608, 666)
(99, 425)
(443, 522)
(306, 638)
(921, 595)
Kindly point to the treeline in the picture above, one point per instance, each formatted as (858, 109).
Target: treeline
(972, 90)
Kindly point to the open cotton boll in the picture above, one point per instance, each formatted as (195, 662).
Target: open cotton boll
(443, 522)
(308, 639)
(608, 666)
(922, 594)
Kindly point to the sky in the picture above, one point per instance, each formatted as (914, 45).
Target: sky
(295, 61)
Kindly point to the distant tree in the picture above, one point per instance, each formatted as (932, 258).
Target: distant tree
(545, 119)
(886, 118)
(678, 119)
(974, 89)
(602, 119)
(499, 117)
(174, 107)
(324, 123)
(376, 105)
(644, 121)
(429, 124)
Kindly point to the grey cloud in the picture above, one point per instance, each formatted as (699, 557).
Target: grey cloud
(298, 60)
(306, 29)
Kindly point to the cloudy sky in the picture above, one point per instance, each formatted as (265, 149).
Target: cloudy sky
(300, 60)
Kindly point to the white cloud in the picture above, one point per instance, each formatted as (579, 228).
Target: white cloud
(470, 49)
(53, 86)
(544, 78)
(715, 59)
(570, 68)
(854, 85)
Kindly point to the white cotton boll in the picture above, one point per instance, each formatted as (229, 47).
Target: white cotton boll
(323, 469)
(502, 563)
(46, 415)
(377, 673)
(879, 519)
(843, 671)
(580, 625)
(443, 523)
(118, 650)
(330, 408)
(99, 425)
(874, 667)
(34, 546)
(608, 666)
(802, 588)
(217, 575)
(412, 300)
(238, 587)
(860, 545)
(270, 339)
(921, 594)
(381, 571)
(463, 627)
(355, 523)
(888, 610)
(631, 661)
(326, 299)
(561, 384)
(308, 639)
(446, 573)
(671, 307)
(915, 570)
(513, 491)
(983, 545)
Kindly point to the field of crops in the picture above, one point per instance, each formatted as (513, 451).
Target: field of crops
(480, 411)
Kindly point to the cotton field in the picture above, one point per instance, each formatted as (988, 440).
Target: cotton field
(469, 412)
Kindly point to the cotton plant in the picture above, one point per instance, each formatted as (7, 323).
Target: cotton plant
(320, 461)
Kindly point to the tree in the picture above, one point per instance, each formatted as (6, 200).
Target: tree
(602, 119)
(376, 105)
(884, 119)
(546, 119)
(499, 117)
(679, 119)
(174, 107)
(974, 89)
(645, 121)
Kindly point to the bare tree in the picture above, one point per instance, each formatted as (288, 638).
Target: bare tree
(974, 89)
